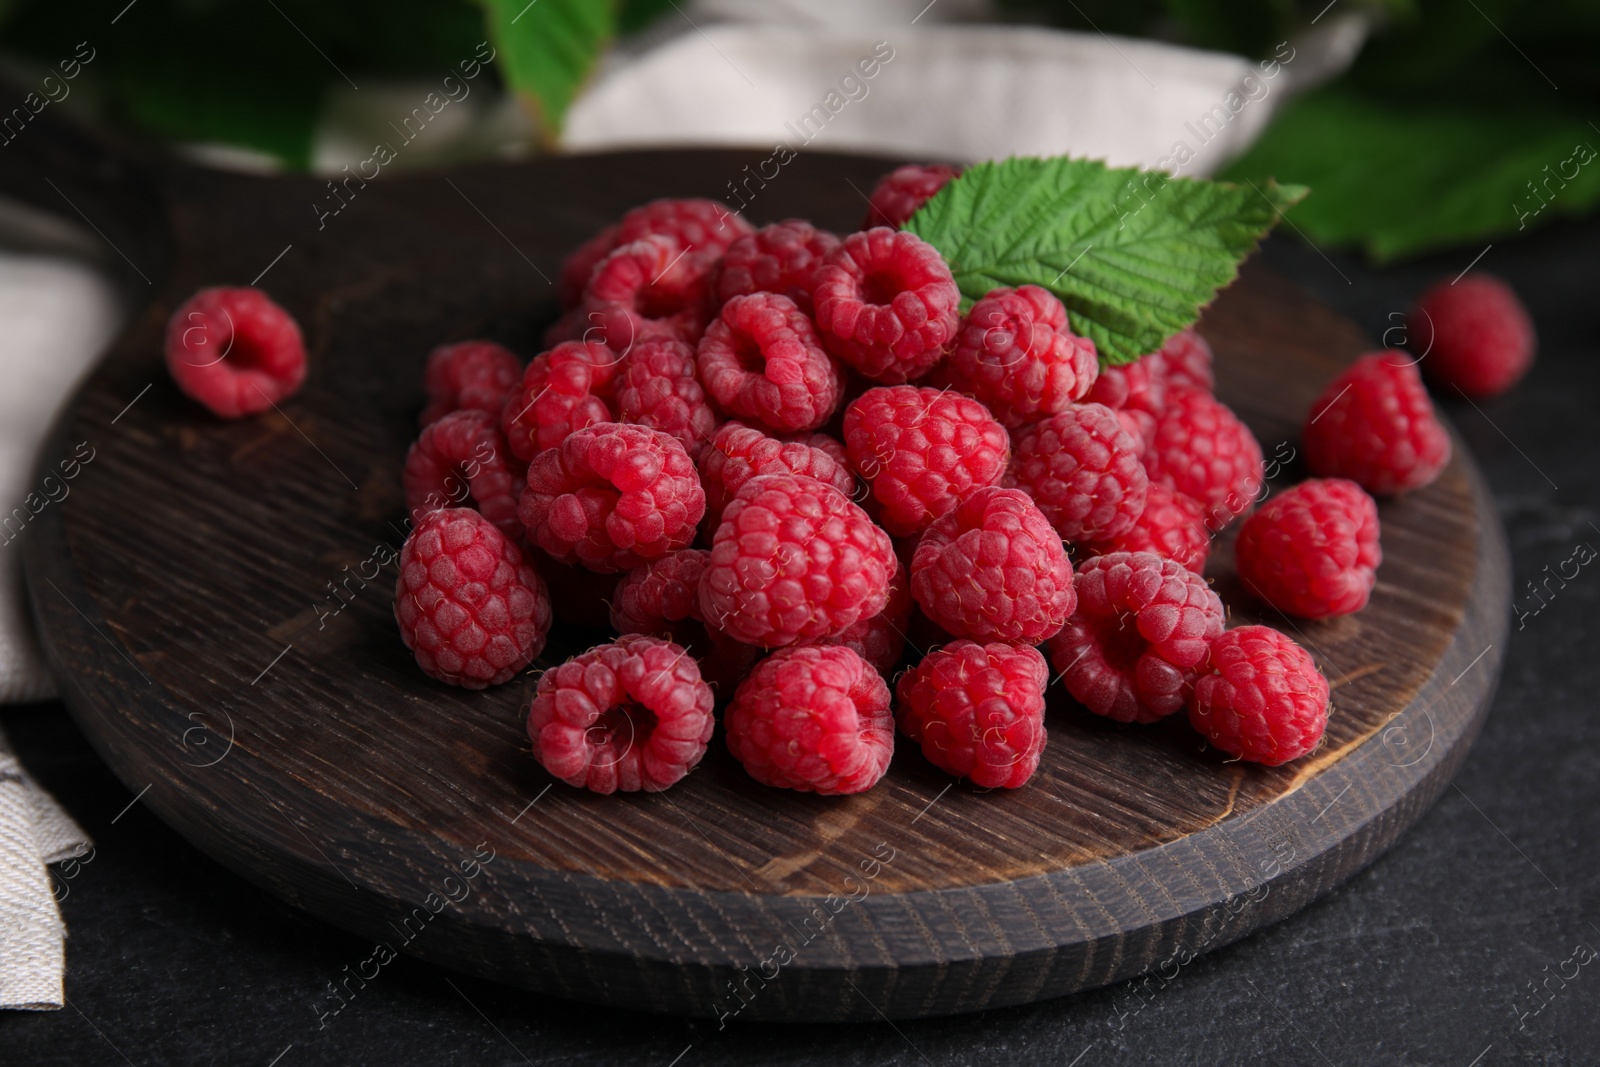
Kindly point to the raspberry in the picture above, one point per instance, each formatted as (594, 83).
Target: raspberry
(977, 711)
(1312, 550)
(577, 267)
(881, 639)
(1171, 525)
(235, 351)
(815, 719)
(1137, 392)
(886, 304)
(899, 193)
(760, 359)
(463, 455)
(1016, 353)
(738, 453)
(1202, 450)
(1185, 362)
(705, 226)
(1260, 697)
(658, 389)
(823, 442)
(475, 375)
(1479, 336)
(1375, 425)
(469, 607)
(567, 388)
(794, 560)
(993, 569)
(782, 258)
(922, 450)
(1081, 468)
(634, 714)
(611, 497)
(651, 289)
(662, 598)
(1141, 629)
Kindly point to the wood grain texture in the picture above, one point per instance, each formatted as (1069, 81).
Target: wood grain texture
(180, 591)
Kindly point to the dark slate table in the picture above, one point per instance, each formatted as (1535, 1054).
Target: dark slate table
(1447, 951)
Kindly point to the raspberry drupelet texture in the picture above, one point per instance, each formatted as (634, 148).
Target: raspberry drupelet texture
(471, 610)
(738, 453)
(568, 388)
(1082, 469)
(650, 289)
(886, 303)
(922, 450)
(611, 497)
(760, 359)
(1141, 629)
(881, 639)
(235, 351)
(658, 389)
(628, 716)
(475, 375)
(977, 711)
(1016, 353)
(899, 193)
(1137, 392)
(995, 570)
(1185, 362)
(1473, 334)
(1259, 696)
(794, 560)
(1171, 525)
(662, 598)
(1375, 425)
(1202, 450)
(814, 719)
(462, 457)
(782, 258)
(1312, 550)
(705, 227)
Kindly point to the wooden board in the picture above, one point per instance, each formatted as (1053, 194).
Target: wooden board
(182, 590)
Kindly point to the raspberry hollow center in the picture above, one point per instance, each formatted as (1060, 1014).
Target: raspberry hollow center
(618, 731)
(881, 287)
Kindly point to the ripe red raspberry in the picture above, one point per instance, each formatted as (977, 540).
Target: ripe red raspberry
(1312, 550)
(476, 375)
(977, 711)
(612, 496)
(1475, 335)
(1375, 425)
(565, 389)
(881, 639)
(1137, 392)
(815, 719)
(1185, 362)
(760, 359)
(460, 457)
(922, 450)
(1016, 353)
(652, 289)
(662, 598)
(994, 569)
(738, 453)
(1081, 468)
(634, 714)
(1202, 450)
(577, 267)
(706, 227)
(782, 258)
(1171, 525)
(794, 560)
(235, 351)
(886, 304)
(469, 607)
(658, 389)
(1259, 696)
(824, 442)
(1142, 627)
(899, 193)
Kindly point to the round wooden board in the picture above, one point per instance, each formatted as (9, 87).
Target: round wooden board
(182, 590)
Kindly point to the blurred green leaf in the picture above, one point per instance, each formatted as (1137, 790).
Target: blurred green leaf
(547, 49)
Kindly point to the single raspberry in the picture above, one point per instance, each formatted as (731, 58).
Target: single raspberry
(469, 607)
(794, 560)
(886, 303)
(1142, 627)
(662, 598)
(652, 289)
(460, 457)
(612, 496)
(577, 267)
(899, 193)
(1202, 450)
(815, 719)
(994, 569)
(565, 389)
(1312, 550)
(476, 375)
(235, 351)
(760, 359)
(881, 639)
(1016, 353)
(824, 442)
(922, 450)
(634, 714)
(1137, 392)
(1082, 470)
(1375, 425)
(1185, 362)
(1474, 334)
(782, 258)
(705, 227)
(658, 388)
(738, 453)
(1259, 696)
(1172, 525)
(977, 711)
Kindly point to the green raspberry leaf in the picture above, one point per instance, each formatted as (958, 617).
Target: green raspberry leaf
(1134, 255)
(547, 49)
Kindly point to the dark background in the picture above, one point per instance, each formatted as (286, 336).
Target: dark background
(1426, 958)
